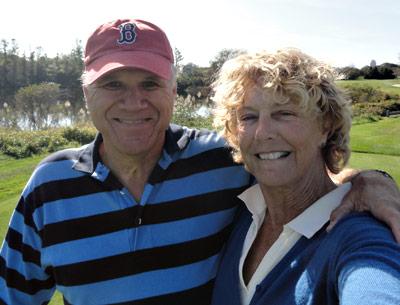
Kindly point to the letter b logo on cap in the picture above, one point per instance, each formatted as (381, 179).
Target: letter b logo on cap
(127, 33)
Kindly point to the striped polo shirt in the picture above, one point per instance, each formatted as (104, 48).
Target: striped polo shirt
(77, 229)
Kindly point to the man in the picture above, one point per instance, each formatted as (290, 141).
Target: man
(140, 215)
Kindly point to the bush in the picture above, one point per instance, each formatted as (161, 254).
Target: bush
(365, 118)
(186, 113)
(379, 72)
(349, 73)
(22, 144)
(370, 102)
(79, 134)
(365, 94)
(372, 109)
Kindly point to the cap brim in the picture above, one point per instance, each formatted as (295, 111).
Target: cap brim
(150, 62)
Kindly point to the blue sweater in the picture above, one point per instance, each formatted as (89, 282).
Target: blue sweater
(358, 262)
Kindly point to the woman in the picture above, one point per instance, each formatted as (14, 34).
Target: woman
(289, 124)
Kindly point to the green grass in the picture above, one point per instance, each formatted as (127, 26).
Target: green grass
(13, 176)
(374, 145)
(390, 164)
(382, 137)
(385, 85)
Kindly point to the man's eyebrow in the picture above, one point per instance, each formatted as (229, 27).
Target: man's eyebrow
(153, 77)
(105, 79)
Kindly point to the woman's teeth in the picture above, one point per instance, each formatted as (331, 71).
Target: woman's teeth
(274, 155)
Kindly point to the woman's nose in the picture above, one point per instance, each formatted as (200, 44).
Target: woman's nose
(265, 129)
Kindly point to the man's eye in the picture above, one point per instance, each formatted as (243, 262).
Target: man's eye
(112, 85)
(150, 84)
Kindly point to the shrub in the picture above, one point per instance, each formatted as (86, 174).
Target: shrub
(349, 73)
(22, 144)
(80, 134)
(372, 109)
(186, 113)
(365, 94)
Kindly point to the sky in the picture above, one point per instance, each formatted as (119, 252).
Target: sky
(339, 32)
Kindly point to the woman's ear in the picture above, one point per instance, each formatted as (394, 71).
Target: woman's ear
(326, 132)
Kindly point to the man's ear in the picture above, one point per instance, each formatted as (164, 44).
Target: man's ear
(175, 89)
(85, 92)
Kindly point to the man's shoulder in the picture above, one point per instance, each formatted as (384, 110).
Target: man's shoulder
(58, 165)
(203, 136)
(71, 154)
(194, 141)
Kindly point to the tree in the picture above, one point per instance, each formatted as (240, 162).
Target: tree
(222, 57)
(38, 105)
(349, 73)
(386, 72)
(178, 60)
(192, 80)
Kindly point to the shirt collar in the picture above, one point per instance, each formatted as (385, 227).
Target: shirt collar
(307, 223)
(176, 139)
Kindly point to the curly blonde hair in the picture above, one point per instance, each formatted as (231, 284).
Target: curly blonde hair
(294, 77)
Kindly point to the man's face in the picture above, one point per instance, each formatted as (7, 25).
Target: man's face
(131, 108)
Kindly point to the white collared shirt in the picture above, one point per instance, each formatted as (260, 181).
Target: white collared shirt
(307, 224)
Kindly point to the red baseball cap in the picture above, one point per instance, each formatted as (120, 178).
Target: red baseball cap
(128, 43)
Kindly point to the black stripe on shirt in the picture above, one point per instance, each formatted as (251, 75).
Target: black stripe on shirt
(202, 162)
(16, 280)
(85, 185)
(200, 295)
(140, 261)
(55, 190)
(15, 242)
(90, 226)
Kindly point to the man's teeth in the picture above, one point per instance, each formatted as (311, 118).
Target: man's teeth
(274, 155)
(138, 121)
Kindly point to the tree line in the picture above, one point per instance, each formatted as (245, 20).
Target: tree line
(38, 92)
(35, 88)
(371, 71)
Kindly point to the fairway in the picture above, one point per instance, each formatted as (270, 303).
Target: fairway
(390, 164)
(385, 85)
(382, 137)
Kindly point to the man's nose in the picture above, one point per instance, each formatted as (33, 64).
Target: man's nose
(134, 98)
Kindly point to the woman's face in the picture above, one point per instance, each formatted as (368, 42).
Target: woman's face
(280, 143)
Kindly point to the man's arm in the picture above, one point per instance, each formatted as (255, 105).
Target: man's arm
(23, 278)
(371, 191)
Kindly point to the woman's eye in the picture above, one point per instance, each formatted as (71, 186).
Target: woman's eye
(247, 117)
(285, 113)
